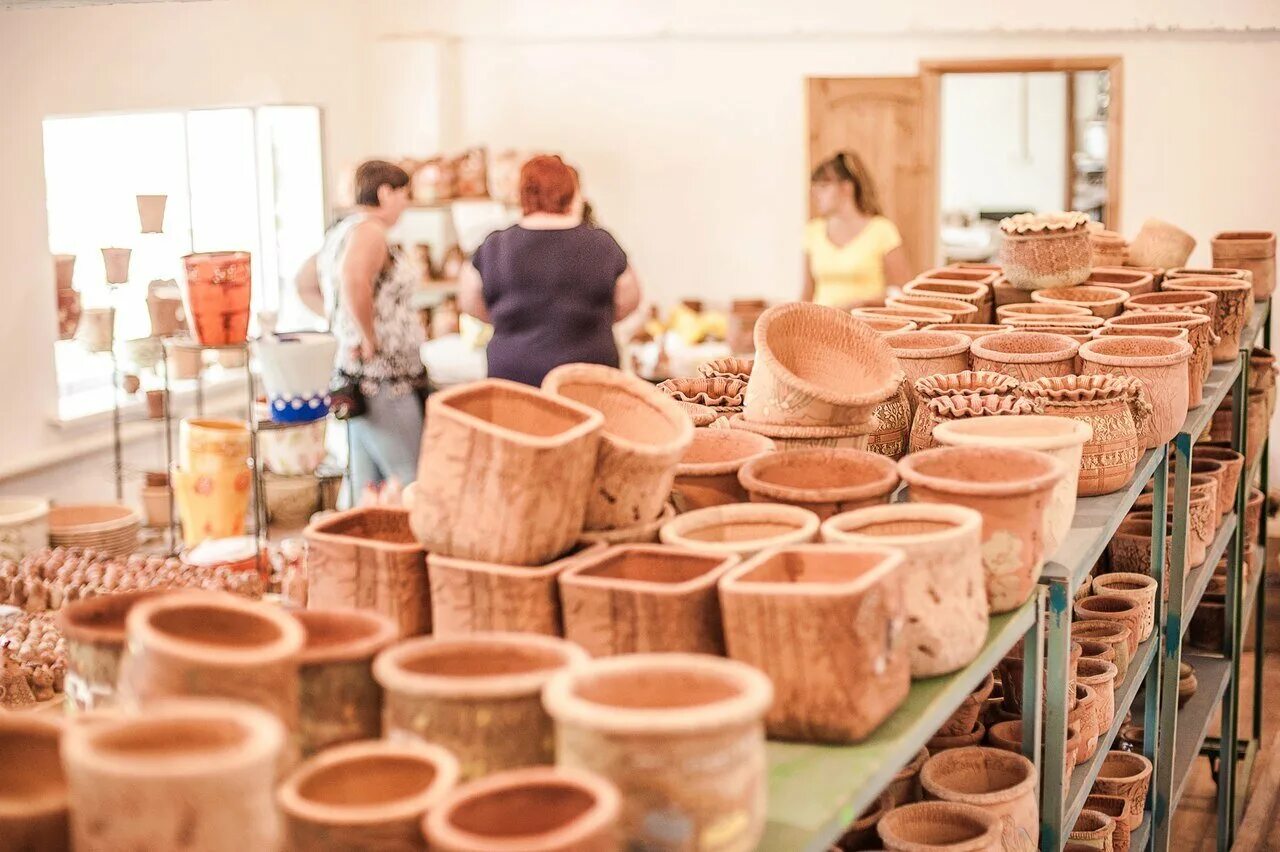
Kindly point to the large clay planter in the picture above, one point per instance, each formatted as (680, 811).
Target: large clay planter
(491, 453)
(339, 701)
(742, 529)
(1102, 302)
(194, 774)
(216, 296)
(1040, 310)
(644, 598)
(1161, 366)
(810, 593)
(1025, 355)
(956, 309)
(1117, 808)
(905, 786)
(1113, 608)
(365, 795)
(1126, 774)
(855, 437)
(940, 827)
(1140, 588)
(946, 409)
(1251, 250)
(208, 445)
(33, 803)
(823, 481)
(211, 505)
(1001, 783)
(1133, 282)
(1200, 335)
(540, 809)
(1100, 676)
(476, 695)
(920, 316)
(115, 264)
(818, 366)
(680, 735)
(1159, 243)
(295, 373)
(707, 474)
(1235, 302)
(369, 558)
(1079, 335)
(644, 435)
(95, 632)
(1050, 250)
(151, 213)
(926, 353)
(1060, 437)
(1012, 489)
(1113, 633)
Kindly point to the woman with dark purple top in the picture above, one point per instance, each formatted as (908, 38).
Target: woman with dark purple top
(551, 286)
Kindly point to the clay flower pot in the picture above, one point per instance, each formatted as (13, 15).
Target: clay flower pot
(1161, 366)
(1011, 668)
(861, 833)
(644, 598)
(1117, 808)
(905, 786)
(1006, 736)
(855, 437)
(1045, 250)
(956, 309)
(643, 437)
(727, 368)
(1079, 335)
(115, 263)
(1100, 676)
(939, 743)
(888, 325)
(946, 409)
(1254, 251)
(1025, 355)
(216, 296)
(944, 587)
(810, 593)
(1132, 281)
(339, 702)
(1103, 302)
(157, 401)
(1113, 608)
(95, 632)
(1159, 243)
(1092, 830)
(489, 452)
(151, 213)
(920, 316)
(1186, 683)
(823, 481)
(893, 419)
(1083, 714)
(1179, 301)
(971, 330)
(1112, 633)
(1108, 247)
(679, 735)
(926, 353)
(476, 695)
(1140, 588)
(949, 826)
(1126, 774)
(542, 808)
(741, 529)
(1071, 326)
(1200, 335)
(968, 716)
(295, 374)
(33, 805)
(707, 474)
(1012, 489)
(1208, 272)
(976, 293)
(371, 795)
(1228, 478)
(723, 395)
(1040, 310)
(999, 782)
(1060, 437)
(1235, 303)
(69, 311)
(818, 366)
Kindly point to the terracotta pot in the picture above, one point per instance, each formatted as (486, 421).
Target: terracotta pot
(1079, 335)
(369, 558)
(956, 309)
(920, 316)
(1254, 251)
(946, 409)
(1108, 247)
(1060, 437)
(476, 695)
(1049, 250)
(542, 808)
(1186, 683)
(1006, 736)
(966, 270)
(1126, 774)
(680, 735)
(861, 833)
(856, 437)
(1094, 649)
(1253, 515)
(743, 314)
(1209, 620)
(1092, 830)
(967, 717)
(1156, 272)
(521, 441)
(1012, 489)
(1100, 676)
(97, 329)
(365, 795)
(1083, 714)
(1161, 366)
(1207, 272)
(157, 402)
(64, 268)
(1230, 463)
(1114, 633)
(999, 782)
(944, 586)
(1140, 588)
(1178, 301)
(646, 533)
(1200, 335)
(1202, 517)
(888, 325)
(926, 353)
(1025, 355)
(33, 806)
(971, 330)
(69, 312)
(1235, 303)
(823, 481)
(95, 632)
(742, 529)
(1116, 807)
(723, 395)
(1103, 302)
(1159, 243)
(213, 504)
(809, 593)
(893, 417)
(1115, 408)
(1011, 671)
(818, 366)
(939, 743)
(644, 598)
(185, 361)
(1113, 608)
(216, 296)
(938, 826)
(905, 786)
(115, 263)
(1040, 310)
(976, 293)
(1064, 325)
(1133, 282)
(164, 305)
(1262, 369)
(1129, 550)
(727, 368)
(200, 774)
(707, 474)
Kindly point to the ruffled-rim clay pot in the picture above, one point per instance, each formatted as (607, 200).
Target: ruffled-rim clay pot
(1139, 351)
(971, 330)
(927, 345)
(981, 471)
(1035, 309)
(344, 634)
(727, 368)
(958, 310)
(741, 528)
(1044, 223)
(836, 476)
(927, 826)
(35, 788)
(1096, 388)
(920, 316)
(479, 665)
(713, 392)
(967, 382)
(970, 406)
(978, 776)
(1024, 347)
(215, 629)
(1102, 302)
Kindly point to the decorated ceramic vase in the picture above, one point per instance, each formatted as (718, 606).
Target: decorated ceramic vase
(217, 296)
(295, 371)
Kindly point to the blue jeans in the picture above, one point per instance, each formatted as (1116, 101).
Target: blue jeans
(384, 441)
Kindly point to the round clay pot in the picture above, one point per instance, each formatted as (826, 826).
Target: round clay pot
(1235, 303)
(1113, 608)
(920, 316)
(1232, 464)
(1041, 310)
(939, 743)
(817, 366)
(1202, 516)
(1060, 324)
(1200, 335)
(855, 437)
(976, 293)
(822, 481)
(939, 826)
(34, 797)
(1084, 715)
(926, 353)
(861, 833)
(1000, 782)
(1160, 364)
(1254, 251)
(645, 533)
(1190, 302)
(707, 474)
(1092, 830)
(1114, 633)
(95, 632)
(196, 774)
(1159, 243)
(957, 310)
(1025, 355)
(1141, 588)
(944, 583)
(888, 325)
(1006, 736)
(905, 786)
(1079, 335)
(1045, 250)
(1011, 668)
(1262, 369)
(1129, 550)
(971, 330)
(741, 529)
(967, 383)
(1117, 808)
(1012, 489)
(1133, 282)
(1103, 302)
(680, 735)
(1186, 683)
(1126, 774)
(537, 809)
(727, 368)
(476, 695)
(365, 795)
(1100, 676)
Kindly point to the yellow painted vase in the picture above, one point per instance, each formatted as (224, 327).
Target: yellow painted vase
(211, 504)
(207, 445)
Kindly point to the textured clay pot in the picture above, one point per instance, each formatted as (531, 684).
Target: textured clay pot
(742, 529)
(1251, 250)
(893, 419)
(956, 309)
(974, 293)
(217, 296)
(1092, 830)
(946, 409)
(365, 795)
(680, 735)
(1199, 328)
(861, 833)
(722, 395)
(1012, 489)
(905, 786)
(1100, 676)
(1160, 364)
(727, 368)
(540, 809)
(920, 316)
(476, 695)
(939, 743)
(856, 437)
(944, 586)
(1045, 250)
(33, 802)
(643, 437)
(940, 827)
(1191, 302)
(1116, 807)
(818, 366)
(1126, 774)
(1232, 464)
(999, 782)
(1186, 683)
(810, 593)
(823, 481)
(1041, 310)
(1137, 587)
(491, 453)
(195, 774)
(1109, 247)
(1113, 608)
(95, 632)
(644, 598)
(1133, 282)
(971, 330)
(1064, 325)
(1083, 714)
(1112, 633)
(1159, 243)
(1235, 303)
(1202, 518)
(1102, 302)
(1025, 355)
(967, 717)
(926, 353)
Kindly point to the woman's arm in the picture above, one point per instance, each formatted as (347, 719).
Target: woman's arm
(471, 293)
(897, 269)
(307, 282)
(363, 261)
(626, 294)
(807, 288)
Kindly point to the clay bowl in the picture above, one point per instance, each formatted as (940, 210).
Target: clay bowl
(1135, 282)
(742, 529)
(1102, 302)
(707, 474)
(1041, 309)
(1025, 355)
(972, 330)
(825, 482)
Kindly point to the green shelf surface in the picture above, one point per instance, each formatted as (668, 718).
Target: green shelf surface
(1213, 674)
(1139, 836)
(1198, 578)
(816, 791)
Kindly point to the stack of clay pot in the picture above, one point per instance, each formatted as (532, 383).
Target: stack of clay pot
(64, 266)
(212, 480)
(216, 295)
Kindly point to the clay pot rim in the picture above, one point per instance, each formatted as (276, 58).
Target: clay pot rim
(379, 631)
(874, 813)
(966, 328)
(951, 742)
(1107, 295)
(975, 290)
(963, 520)
(1116, 631)
(1081, 609)
(1263, 243)
(286, 645)
(956, 308)
(1051, 347)
(1042, 309)
(787, 431)
(889, 325)
(1170, 319)
(1121, 757)
(1160, 300)
(1007, 724)
(391, 676)
(986, 826)
(756, 444)
(592, 420)
(883, 476)
(1207, 284)
(1103, 823)
(224, 426)
(1138, 275)
(1021, 323)
(69, 619)
(1164, 332)
(1108, 673)
(946, 343)
(1036, 224)
(290, 800)
(1174, 352)
(318, 530)
(638, 390)
(804, 522)
(717, 565)
(53, 802)
(606, 804)
(890, 560)
(909, 469)
(966, 382)
(646, 531)
(1225, 455)
(978, 431)
(908, 312)
(912, 766)
(748, 706)
(1147, 582)
(941, 762)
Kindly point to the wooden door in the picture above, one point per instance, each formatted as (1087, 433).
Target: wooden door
(882, 119)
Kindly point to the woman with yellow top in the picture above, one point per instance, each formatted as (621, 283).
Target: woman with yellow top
(852, 252)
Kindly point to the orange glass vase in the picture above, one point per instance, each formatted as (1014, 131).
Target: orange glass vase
(217, 296)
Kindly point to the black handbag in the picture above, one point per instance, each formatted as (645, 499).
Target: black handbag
(346, 400)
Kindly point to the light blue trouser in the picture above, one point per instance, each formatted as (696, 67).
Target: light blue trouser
(384, 441)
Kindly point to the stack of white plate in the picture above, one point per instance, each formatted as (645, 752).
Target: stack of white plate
(108, 527)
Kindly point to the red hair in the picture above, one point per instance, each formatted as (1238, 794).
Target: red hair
(547, 185)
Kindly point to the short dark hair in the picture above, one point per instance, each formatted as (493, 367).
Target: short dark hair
(376, 173)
